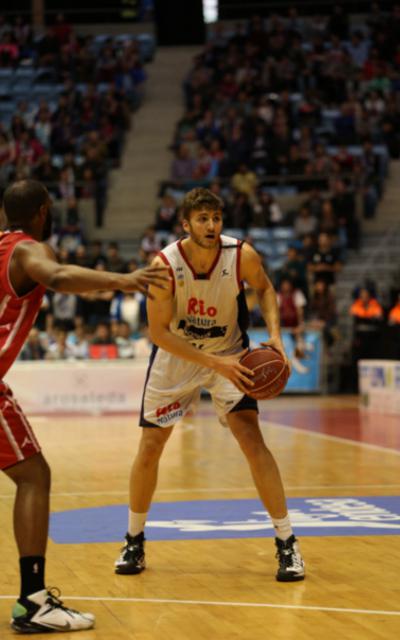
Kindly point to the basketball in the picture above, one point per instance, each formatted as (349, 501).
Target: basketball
(271, 372)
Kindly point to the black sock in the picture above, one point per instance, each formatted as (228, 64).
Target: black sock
(32, 574)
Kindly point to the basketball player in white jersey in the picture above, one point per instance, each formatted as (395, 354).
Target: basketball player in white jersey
(198, 327)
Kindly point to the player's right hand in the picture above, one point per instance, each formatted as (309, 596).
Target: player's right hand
(230, 367)
(140, 279)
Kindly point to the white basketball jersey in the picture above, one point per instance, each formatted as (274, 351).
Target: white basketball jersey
(210, 309)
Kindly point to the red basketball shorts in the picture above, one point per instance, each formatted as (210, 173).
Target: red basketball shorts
(17, 440)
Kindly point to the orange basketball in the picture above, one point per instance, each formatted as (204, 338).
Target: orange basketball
(271, 372)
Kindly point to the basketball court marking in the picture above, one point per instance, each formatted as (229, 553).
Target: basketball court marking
(305, 487)
(214, 603)
(326, 436)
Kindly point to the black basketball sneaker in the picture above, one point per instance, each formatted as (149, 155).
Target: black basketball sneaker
(132, 558)
(291, 565)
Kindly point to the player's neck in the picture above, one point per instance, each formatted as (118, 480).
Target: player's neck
(199, 257)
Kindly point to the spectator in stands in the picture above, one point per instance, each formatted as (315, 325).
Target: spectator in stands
(245, 182)
(292, 304)
(95, 306)
(102, 334)
(9, 50)
(322, 311)
(183, 165)
(293, 269)
(394, 313)
(62, 29)
(96, 253)
(126, 307)
(81, 257)
(367, 315)
(78, 342)
(343, 202)
(124, 341)
(239, 213)
(71, 234)
(305, 223)
(328, 222)
(150, 243)
(325, 262)
(266, 210)
(166, 215)
(60, 349)
(48, 48)
(314, 202)
(115, 261)
(357, 48)
(6, 154)
(33, 348)
(47, 173)
(64, 310)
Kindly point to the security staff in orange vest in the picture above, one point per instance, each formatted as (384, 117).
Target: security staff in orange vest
(394, 313)
(368, 315)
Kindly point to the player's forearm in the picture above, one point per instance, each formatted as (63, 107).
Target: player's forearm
(270, 311)
(73, 279)
(182, 349)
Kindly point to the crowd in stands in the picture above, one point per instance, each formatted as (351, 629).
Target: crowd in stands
(102, 324)
(283, 106)
(65, 105)
(292, 106)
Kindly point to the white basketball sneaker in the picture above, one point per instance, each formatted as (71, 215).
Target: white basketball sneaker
(43, 612)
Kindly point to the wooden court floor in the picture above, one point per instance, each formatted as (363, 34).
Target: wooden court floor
(223, 589)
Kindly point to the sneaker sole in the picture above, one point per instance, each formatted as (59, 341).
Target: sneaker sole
(128, 571)
(287, 578)
(27, 628)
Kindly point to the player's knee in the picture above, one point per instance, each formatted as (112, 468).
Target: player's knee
(250, 441)
(34, 472)
(151, 448)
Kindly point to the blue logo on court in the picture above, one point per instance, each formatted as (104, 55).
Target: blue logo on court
(232, 519)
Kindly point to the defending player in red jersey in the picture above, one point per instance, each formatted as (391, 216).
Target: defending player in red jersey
(27, 267)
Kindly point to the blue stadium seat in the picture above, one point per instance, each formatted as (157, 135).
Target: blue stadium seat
(264, 247)
(283, 233)
(260, 233)
(24, 73)
(235, 233)
(44, 75)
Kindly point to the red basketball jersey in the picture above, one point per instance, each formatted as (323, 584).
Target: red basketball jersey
(17, 313)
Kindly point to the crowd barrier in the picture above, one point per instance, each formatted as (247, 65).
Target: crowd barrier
(379, 385)
(92, 387)
(101, 386)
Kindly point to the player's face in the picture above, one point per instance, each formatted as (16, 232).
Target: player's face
(205, 228)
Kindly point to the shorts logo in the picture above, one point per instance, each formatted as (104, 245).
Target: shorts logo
(162, 411)
(198, 307)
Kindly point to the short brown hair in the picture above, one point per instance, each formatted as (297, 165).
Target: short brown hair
(200, 198)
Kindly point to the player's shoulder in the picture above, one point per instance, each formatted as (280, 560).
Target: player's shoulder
(248, 251)
(229, 242)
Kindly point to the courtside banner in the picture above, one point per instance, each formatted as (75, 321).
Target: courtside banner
(379, 384)
(78, 387)
(306, 371)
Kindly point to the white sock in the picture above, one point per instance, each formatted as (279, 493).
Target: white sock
(283, 528)
(136, 522)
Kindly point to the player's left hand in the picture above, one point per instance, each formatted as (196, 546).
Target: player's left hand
(277, 344)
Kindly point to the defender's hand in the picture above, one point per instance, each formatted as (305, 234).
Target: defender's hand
(140, 279)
